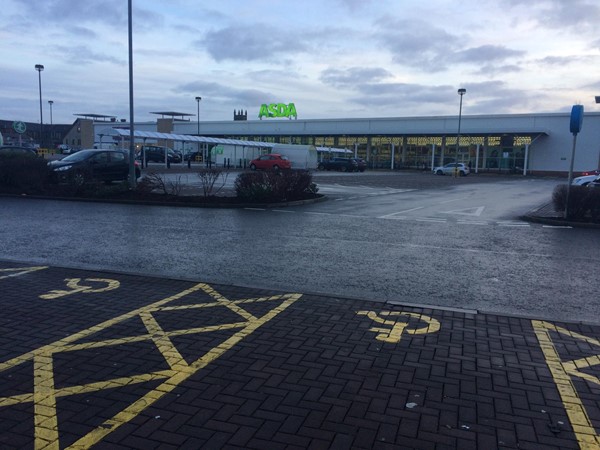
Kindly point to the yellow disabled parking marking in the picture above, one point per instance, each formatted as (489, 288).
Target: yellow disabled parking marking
(393, 334)
(45, 394)
(562, 373)
(106, 284)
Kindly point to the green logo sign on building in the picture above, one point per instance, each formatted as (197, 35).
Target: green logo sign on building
(278, 110)
(19, 127)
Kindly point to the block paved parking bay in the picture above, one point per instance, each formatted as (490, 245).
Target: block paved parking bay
(116, 361)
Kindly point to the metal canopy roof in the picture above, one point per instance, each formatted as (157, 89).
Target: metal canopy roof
(189, 138)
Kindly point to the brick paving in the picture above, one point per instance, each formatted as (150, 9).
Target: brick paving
(117, 361)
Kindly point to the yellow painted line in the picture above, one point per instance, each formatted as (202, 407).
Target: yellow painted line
(232, 306)
(163, 343)
(94, 329)
(18, 271)
(44, 403)
(45, 394)
(178, 377)
(583, 428)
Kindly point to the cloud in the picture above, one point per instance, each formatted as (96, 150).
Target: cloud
(486, 53)
(562, 14)
(250, 43)
(84, 55)
(222, 93)
(353, 76)
(415, 42)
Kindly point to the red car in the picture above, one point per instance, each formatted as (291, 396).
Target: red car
(591, 172)
(272, 161)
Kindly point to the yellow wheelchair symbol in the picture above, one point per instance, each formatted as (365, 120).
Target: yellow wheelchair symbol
(75, 287)
(394, 334)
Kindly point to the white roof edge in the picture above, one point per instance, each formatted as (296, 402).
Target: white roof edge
(187, 138)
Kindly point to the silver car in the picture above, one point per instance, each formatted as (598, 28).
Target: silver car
(449, 169)
(583, 181)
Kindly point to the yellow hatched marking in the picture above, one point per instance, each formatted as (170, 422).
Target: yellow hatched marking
(229, 304)
(44, 401)
(18, 271)
(44, 395)
(561, 371)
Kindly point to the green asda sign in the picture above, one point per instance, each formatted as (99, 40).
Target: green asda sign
(278, 110)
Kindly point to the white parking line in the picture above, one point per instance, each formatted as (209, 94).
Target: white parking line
(556, 226)
(471, 222)
(400, 212)
(283, 210)
(430, 219)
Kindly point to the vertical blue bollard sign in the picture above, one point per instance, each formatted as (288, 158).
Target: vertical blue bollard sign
(575, 126)
(576, 118)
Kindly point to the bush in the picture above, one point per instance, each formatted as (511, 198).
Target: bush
(275, 186)
(584, 202)
(22, 172)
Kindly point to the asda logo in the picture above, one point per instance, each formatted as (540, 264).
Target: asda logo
(278, 110)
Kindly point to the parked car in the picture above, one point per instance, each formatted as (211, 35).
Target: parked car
(194, 156)
(583, 181)
(343, 164)
(272, 161)
(17, 149)
(154, 153)
(595, 183)
(591, 172)
(65, 149)
(362, 164)
(92, 165)
(450, 168)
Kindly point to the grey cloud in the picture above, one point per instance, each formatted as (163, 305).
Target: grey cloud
(250, 43)
(112, 13)
(225, 93)
(84, 55)
(491, 70)
(561, 14)
(353, 76)
(415, 42)
(486, 53)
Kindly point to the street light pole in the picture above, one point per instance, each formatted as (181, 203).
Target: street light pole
(597, 98)
(198, 117)
(461, 92)
(39, 68)
(51, 102)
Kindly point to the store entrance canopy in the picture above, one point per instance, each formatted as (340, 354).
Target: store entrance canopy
(124, 132)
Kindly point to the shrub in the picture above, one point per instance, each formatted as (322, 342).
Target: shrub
(584, 202)
(208, 179)
(23, 172)
(284, 185)
(594, 201)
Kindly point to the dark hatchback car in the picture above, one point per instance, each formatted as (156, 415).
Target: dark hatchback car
(343, 164)
(154, 153)
(361, 164)
(92, 165)
(17, 149)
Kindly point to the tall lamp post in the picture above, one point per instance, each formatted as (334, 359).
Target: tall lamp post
(39, 68)
(597, 98)
(198, 117)
(461, 92)
(51, 102)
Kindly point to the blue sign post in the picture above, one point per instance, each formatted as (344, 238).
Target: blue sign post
(575, 127)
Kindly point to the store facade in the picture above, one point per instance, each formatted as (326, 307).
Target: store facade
(527, 143)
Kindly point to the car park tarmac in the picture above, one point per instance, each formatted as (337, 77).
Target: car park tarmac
(115, 360)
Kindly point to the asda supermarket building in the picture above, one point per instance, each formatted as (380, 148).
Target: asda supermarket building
(522, 143)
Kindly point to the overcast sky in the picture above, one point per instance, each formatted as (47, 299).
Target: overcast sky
(331, 58)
